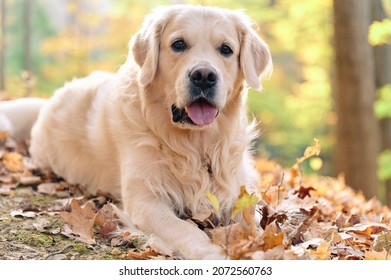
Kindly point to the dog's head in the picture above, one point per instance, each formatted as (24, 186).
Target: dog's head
(198, 57)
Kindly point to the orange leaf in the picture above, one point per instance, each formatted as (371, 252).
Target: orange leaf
(271, 237)
(322, 252)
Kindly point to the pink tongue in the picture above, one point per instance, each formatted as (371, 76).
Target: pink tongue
(201, 113)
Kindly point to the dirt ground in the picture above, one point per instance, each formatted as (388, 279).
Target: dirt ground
(36, 234)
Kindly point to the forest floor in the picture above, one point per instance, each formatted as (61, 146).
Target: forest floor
(298, 217)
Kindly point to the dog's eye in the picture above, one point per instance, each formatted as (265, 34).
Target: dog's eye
(179, 45)
(225, 50)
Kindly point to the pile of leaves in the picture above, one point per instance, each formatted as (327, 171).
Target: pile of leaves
(297, 217)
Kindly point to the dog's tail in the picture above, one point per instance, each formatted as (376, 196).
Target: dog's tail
(18, 116)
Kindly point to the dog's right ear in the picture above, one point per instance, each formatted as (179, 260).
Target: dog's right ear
(144, 47)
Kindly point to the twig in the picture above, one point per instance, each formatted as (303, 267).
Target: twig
(278, 189)
(59, 252)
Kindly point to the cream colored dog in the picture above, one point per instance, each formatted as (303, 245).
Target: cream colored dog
(170, 125)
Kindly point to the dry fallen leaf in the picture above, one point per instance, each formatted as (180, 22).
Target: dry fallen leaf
(48, 188)
(382, 242)
(272, 237)
(106, 220)
(29, 180)
(144, 255)
(244, 201)
(81, 220)
(24, 214)
(213, 199)
(374, 255)
(303, 192)
(322, 252)
(309, 152)
(367, 228)
(13, 161)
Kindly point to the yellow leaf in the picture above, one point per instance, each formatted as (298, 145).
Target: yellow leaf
(244, 201)
(213, 199)
(273, 240)
(13, 161)
(322, 252)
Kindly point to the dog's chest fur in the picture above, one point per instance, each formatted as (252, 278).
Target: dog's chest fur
(198, 163)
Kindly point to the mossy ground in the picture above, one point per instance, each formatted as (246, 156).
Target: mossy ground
(22, 238)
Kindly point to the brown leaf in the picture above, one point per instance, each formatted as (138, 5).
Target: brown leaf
(367, 228)
(303, 192)
(81, 220)
(106, 220)
(48, 188)
(382, 242)
(229, 234)
(30, 180)
(235, 238)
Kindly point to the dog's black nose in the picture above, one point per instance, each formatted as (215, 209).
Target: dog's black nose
(203, 77)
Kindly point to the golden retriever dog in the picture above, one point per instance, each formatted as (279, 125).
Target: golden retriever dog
(169, 126)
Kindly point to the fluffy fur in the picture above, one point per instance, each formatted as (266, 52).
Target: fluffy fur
(115, 132)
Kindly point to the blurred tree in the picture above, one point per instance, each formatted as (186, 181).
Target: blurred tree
(357, 131)
(27, 76)
(27, 34)
(15, 57)
(2, 45)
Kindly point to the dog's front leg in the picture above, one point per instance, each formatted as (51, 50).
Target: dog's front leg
(153, 216)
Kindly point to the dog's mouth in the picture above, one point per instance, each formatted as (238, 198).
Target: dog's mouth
(199, 112)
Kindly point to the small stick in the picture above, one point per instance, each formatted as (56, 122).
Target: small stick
(59, 252)
(278, 189)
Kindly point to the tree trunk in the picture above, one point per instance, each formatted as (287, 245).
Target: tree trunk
(383, 77)
(2, 46)
(357, 131)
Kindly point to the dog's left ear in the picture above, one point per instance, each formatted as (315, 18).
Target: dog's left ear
(144, 47)
(255, 58)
